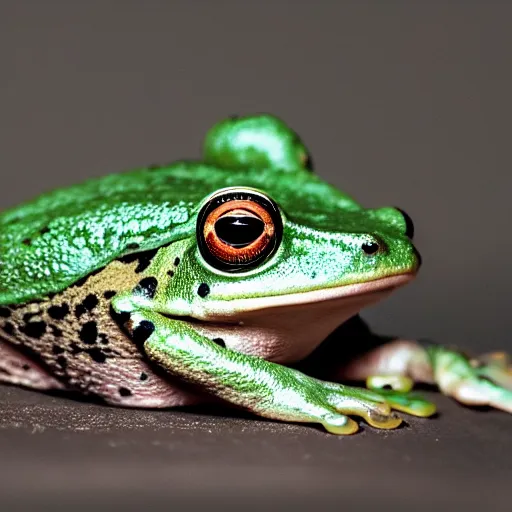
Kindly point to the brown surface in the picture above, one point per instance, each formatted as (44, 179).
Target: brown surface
(59, 452)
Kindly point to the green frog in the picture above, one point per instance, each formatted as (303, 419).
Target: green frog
(237, 280)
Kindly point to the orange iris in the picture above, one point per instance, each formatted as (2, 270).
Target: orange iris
(238, 231)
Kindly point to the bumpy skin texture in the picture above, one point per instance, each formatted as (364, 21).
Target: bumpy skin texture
(104, 291)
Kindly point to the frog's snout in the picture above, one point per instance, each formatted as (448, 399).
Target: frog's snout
(409, 225)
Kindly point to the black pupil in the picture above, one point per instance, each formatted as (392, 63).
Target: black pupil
(239, 230)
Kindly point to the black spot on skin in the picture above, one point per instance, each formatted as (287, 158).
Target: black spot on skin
(81, 281)
(125, 392)
(203, 290)
(129, 258)
(109, 294)
(57, 350)
(144, 259)
(5, 313)
(75, 349)
(119, 318)
(89, 333)
(59, 312)
(147, 287)
(34, 329)
(313, 275)
(79, 310)
(143, 376)
(56, 331)
(176, 262)
(143, 331)
(8, 328)
(27, 317)
(133, 246)
(26, 367)
(44, 230)
(15, 218)
(90, 302)
(170, 273)
(220, 342)
(103, 339)
(27, 241)
(96, 355)
(62, 362)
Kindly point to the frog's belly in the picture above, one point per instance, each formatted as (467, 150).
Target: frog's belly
(288, 334)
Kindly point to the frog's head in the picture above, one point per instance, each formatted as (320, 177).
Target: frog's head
(287, 251)
(250, 253)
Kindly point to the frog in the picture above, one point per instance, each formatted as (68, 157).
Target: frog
(234, 280)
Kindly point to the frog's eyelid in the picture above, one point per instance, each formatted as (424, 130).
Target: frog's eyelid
(234, 190)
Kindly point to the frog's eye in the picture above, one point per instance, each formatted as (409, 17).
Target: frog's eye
(238, 230)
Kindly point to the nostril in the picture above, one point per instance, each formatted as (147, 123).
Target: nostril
(370, 247)
(409, 225)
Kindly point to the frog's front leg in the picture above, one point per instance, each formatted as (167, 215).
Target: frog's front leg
(262, 387)
(472, 381)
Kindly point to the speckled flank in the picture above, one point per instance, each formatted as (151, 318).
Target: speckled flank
(73, 338)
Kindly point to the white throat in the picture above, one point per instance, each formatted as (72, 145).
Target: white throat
(288, 328)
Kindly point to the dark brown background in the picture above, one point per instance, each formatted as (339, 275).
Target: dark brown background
(401, 103)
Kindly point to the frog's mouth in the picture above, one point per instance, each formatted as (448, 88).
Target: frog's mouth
(363, 293)
(287, 328)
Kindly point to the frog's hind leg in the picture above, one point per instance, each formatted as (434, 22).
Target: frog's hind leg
(18, 369)
(477, 381)
(395, 364)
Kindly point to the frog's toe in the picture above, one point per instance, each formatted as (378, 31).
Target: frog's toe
(396, 382)
(383, 421)
(409, 403)
(376, 413)
(398, 396)
(339, 424)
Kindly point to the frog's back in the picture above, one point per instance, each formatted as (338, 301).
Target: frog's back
(52, 241)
